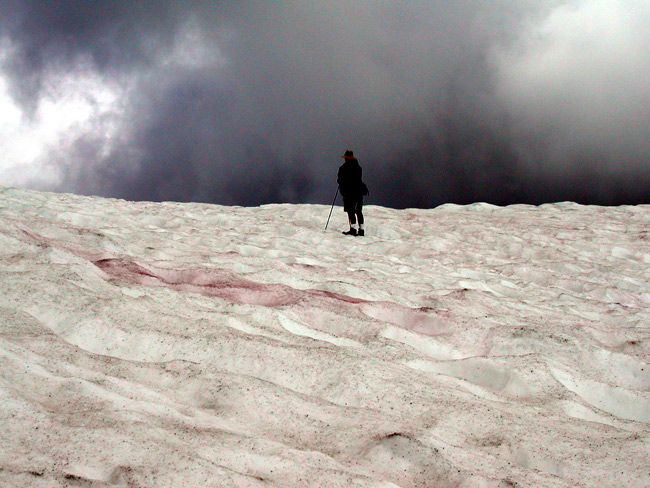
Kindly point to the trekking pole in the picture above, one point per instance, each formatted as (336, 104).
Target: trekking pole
(333, 201)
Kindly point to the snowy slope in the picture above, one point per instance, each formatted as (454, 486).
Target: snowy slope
(173, 345)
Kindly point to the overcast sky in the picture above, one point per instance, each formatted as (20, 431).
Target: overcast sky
(251, 102)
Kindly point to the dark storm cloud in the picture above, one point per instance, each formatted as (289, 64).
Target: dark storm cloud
(54, 34)
(252, 102)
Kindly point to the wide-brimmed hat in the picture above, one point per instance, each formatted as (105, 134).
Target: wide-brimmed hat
(348, 154)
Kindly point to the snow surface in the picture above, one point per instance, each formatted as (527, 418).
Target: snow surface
(180, 345)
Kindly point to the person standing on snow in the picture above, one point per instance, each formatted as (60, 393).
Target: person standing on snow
(352, 190)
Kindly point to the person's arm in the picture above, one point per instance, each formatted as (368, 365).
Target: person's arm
(342, 179)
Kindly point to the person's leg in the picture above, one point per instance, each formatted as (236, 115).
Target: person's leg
(359, 215)
(349, 208)
(354, 228)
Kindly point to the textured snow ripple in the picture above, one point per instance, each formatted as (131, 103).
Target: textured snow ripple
(147, 344)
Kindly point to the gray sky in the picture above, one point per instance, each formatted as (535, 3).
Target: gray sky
(251, 102)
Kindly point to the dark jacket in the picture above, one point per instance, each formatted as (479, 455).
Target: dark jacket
(350, 179)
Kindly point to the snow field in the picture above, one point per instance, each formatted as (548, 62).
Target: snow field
(147, 344)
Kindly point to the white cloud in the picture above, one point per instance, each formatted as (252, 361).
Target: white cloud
(193, 48)
(70, 105)
(584, 73)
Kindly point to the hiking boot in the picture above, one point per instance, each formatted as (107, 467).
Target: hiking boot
(351, 232)
(361, 232)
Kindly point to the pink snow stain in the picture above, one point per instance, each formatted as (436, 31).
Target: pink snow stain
(214, 283)
(337, 296)
(209, 282)
(229, 286)
(220, 283)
